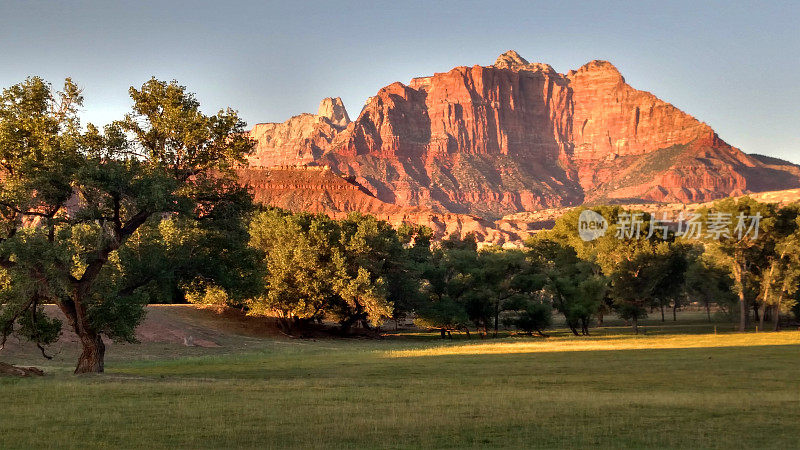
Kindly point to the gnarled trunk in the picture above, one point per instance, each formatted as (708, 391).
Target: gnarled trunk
(92, 359)
(93, 354)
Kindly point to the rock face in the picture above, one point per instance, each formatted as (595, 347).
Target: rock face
(301, 139)
(486, 141)
(333, 110)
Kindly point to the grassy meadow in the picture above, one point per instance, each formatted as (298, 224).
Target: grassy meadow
(671, 387)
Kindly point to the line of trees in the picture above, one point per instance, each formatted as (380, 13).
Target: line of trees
(360, 270)
(101, 223)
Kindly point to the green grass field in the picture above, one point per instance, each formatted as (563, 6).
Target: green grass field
(669, 388)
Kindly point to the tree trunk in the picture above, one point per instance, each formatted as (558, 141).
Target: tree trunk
(496, 317)
(708, 310)
(93, 354)
(777, 318)
(635, 325)
(756, 317)
(444, 333)
(573, 328)
(92, 359)
(674, 310)
(767, 289)
(737, 276)
(662, 309)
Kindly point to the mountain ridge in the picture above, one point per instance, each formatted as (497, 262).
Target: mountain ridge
(516, 136)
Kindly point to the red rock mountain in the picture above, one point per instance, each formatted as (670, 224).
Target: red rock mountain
(515, 136)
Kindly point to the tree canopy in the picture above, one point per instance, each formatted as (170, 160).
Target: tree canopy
(71, 200)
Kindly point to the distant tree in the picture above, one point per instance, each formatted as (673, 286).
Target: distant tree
(446, 285)
(673, 259)
(443, 313)
(777, 262)
(207, 262)
(782, 279)
(529, 316)
(405, 283)
(298, 252)
(742, 249)
(370, 273)
(497, 278)
(709, 283)
(70, 201)
(655, 271)
(577, 286)
(317, 267)
(632, 287)
(605, 251)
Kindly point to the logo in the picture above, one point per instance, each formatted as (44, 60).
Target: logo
(591, 225)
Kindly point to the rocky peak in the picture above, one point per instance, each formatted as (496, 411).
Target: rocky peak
(333, 109)
(598, 69)
(510, 60)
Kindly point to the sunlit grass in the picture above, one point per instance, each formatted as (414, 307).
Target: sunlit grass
(604, 343)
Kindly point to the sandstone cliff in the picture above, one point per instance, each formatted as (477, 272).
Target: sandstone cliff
(301, 139)
(486, 141)
(318, 190)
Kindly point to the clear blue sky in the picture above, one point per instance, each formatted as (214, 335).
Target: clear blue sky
(733, 64)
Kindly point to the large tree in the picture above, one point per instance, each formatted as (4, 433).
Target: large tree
(447, 281)
(709, 282)
(576, 286)
(744, 238)
(317, 267)
(71, 200)
(502, 280)
(776, 262)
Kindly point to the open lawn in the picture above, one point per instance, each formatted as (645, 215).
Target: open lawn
(662, 389)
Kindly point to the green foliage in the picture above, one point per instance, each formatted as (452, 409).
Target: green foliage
(530, 316)
(315, 267)
(71, 201)
(446, 282)
(746, 254)
(633, 273)
(577, 287)
(710, 283)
